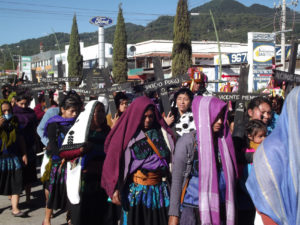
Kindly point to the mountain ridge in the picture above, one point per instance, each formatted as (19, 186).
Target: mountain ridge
(233, 21)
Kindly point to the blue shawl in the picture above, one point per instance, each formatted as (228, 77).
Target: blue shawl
(274, 181)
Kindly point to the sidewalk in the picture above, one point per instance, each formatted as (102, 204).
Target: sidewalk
(34, 214)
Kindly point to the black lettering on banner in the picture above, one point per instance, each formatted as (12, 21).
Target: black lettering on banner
(287, 77)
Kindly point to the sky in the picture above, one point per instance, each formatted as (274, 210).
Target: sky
(25, 19)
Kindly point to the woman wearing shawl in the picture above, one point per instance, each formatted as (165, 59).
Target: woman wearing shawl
(89, 133)
(56, 129)
(204, 169)
(134, 168)
(27, 124)
(10, 163)
(274, 181)
(181, 119)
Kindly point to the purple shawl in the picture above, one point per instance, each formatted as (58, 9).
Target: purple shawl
(206, 110)
(119, 137)
(58, 119)
(25, 115)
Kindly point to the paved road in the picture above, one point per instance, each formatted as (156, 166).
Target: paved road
(34, 213)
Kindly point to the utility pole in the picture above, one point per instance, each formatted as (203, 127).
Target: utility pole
(283, 23)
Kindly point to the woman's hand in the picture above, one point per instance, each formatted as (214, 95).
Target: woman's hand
(173, 220)
(114, 120)
(86, 147)
(169, 119)
(116, 198)
(24, 159)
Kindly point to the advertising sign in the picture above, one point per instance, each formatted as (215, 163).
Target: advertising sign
(262, 58)
(265, 37)
(26, 67)
(261, 50)
(242, 57)
(287, 52)
(100, 21)
(225, 59)
(238, 58)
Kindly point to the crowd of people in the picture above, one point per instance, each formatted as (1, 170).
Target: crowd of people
(142, 167)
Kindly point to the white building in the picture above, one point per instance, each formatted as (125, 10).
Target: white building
(203, 51)
(205, 56)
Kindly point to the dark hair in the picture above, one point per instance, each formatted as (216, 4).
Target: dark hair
(256, 102)
(119, 97)
(151, 94)
(152, 108)
(76, 96)
(174, 109)
(23, 95)
(41, 98)
(279, 101)
(186, 91)
(69, 102)
(254, 126)
(51, 97)
(104, 126)
(6, 90)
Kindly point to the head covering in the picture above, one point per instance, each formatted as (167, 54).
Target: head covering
(79, 132)
(274, 181)
(25, 116)
(119, 137)
(206, 110)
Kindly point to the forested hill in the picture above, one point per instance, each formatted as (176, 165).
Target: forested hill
(233, 21)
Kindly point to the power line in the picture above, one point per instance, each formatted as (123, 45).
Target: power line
(82, 9)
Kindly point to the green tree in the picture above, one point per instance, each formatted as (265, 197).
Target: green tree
(120, 50)
(182, 49)
(75, 59)
(8, 65)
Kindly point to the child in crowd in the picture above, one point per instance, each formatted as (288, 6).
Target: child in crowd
(256, 132)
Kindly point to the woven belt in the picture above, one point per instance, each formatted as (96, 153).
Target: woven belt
(150, 178)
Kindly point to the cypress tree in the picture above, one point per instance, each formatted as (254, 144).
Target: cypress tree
(182, 49)
(120, 50)
(75, 59)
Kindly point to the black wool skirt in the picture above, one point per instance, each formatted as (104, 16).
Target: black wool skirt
(10, 175)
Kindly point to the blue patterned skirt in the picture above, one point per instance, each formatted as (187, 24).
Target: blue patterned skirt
(146, 205)
(10, 174)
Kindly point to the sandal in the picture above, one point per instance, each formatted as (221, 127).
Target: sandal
(19, 214)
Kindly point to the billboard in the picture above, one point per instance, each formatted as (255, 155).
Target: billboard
(261, 49)
(26, 67)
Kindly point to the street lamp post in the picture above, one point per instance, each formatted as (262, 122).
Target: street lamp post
(20, 60)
